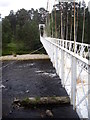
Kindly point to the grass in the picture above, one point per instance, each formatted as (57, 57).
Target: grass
(20, 52)
(8, 52)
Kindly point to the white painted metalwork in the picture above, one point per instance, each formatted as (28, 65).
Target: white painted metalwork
(73, 69)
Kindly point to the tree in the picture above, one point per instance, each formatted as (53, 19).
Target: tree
(30, 34)
(42, 15)
(12, 18)
(65, 20)
(22, 16)
(6, 32)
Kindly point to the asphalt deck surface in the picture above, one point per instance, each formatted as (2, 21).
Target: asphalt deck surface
(32, 78)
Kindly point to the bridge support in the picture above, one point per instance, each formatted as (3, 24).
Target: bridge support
(73, 82)
(62, 67)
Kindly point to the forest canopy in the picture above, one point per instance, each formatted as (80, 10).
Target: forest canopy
(60, 22)
(20, 30)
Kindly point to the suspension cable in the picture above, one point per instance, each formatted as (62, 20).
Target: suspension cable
(52, 21)
(47, 16)
(83, 25)
(55, 20)
(61, 26)
(77, 25)
(74, 28)
(47, 10)
(67, 27)
(71, 26)
(60, 22)
(36, 50)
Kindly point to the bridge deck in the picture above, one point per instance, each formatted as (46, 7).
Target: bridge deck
(32, 78)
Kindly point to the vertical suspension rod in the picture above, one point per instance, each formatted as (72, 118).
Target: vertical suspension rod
(71, 26)
(83, 25)
(74, 28)
(55, 22)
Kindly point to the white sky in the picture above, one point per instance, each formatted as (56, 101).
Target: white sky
(7, 5)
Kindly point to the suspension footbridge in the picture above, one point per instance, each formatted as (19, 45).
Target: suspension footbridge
(69, 57)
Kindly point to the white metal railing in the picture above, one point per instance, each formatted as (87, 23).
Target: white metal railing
(73, 67)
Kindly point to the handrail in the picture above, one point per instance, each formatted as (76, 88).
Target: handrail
(71, 66)
(68, 51)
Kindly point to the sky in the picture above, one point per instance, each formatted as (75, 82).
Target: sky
(7, 5)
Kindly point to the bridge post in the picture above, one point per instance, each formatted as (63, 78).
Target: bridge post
(56, 57)
(62, 67)
(73, 82)
(53, 55)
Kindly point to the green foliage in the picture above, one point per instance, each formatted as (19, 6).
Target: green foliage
(20, 32)
(67, 10)
(12, 46)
